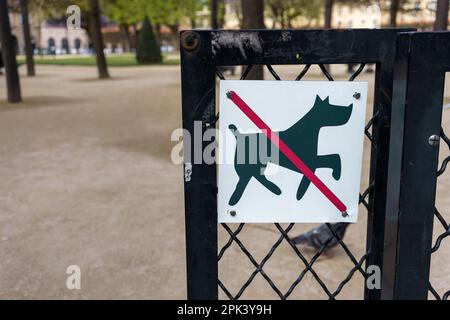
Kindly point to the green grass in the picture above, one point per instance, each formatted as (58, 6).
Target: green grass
(123, 60)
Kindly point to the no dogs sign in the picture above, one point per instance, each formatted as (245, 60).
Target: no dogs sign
(290, 151)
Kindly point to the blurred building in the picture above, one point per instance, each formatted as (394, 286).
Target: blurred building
(345, 16)
(50, 36)
(53, 36)
(419, 14)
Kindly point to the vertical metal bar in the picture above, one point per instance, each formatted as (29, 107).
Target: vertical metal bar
(406, 272)
(418, 185)
(380, 156)
(395, 152)
(376, 203)
(198, 87)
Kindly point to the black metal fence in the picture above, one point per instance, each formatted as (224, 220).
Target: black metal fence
(389, 235)
(420, 67)
(333, 233)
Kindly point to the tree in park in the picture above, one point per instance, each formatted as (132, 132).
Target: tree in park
(221, 13)
(328, 15)
(9, 55)
(161, 12)
(22, 7)
(190, 8)
(97, 39)
(393, 12)
(90, 21)
(148, 50)
(441, 15)
(253, 18)
(217, 8)
(283, 12)
(394, 9)
(125, 13)
(236, 9)
(214, 14)
(217, 11)
(166, 12)
(27, 37)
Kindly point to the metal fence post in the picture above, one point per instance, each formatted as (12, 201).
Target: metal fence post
(422, 60)
(203, 51)
(200, 188)
(380, 166)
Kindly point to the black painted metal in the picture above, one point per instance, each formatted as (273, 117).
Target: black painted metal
(202, 52)
(198, 92)
(421, 63)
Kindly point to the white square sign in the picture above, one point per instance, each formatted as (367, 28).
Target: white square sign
(290, 151)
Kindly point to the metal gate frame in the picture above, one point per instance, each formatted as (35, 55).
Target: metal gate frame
(422, 60)
(201, 53)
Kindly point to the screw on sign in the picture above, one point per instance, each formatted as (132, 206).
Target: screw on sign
(434, 140)
(308, 146)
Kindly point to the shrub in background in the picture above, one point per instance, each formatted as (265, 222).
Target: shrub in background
(148, 50)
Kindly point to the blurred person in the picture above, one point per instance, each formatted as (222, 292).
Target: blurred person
(350, 68)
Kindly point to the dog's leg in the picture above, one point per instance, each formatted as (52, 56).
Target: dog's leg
(268, 184)
(240, 187)
(332, 161)
(304, 185)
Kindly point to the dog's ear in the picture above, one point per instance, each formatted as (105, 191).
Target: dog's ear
(318, 99)
(327, 100)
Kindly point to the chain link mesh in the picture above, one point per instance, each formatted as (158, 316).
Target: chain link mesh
(440, 220)
(357, 263)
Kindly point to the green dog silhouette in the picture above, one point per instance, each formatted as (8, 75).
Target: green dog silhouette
(302, 138)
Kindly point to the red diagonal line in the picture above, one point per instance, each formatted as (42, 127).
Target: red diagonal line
(284, 148)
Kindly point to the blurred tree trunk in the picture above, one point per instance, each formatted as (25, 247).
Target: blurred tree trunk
(174, 29)
(393, 11)
(253, 14)
(9, 55)
(253, 18)
(27, 38)
(214, 13)
(441, 21)
(97, 39)
(135, 33)
(193, 23)
(328, 13)
(39, 33)
(221, 14)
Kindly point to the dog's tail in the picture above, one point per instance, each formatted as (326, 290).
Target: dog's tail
(234, 130)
